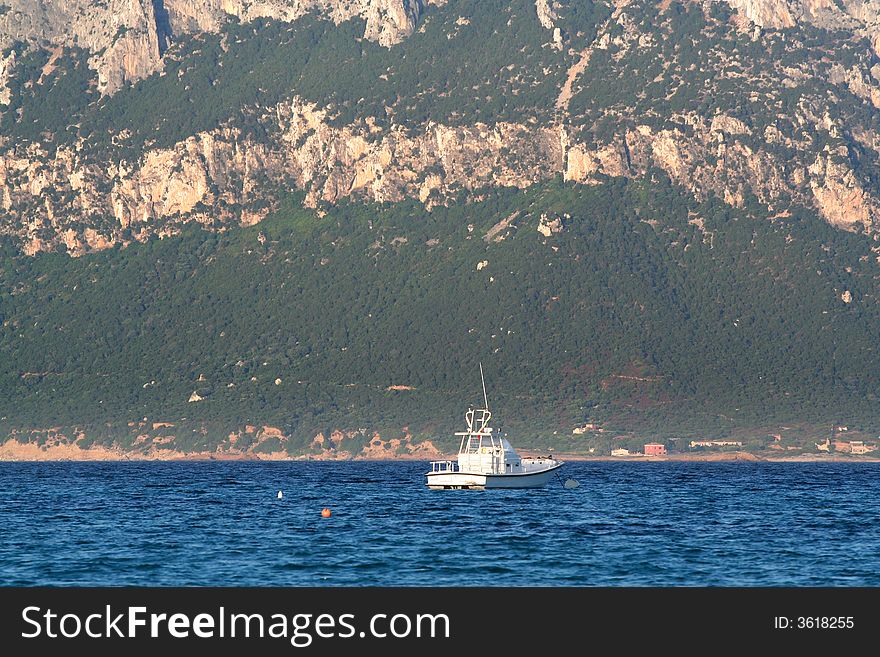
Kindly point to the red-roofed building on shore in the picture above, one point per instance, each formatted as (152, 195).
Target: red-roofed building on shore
(655, 449)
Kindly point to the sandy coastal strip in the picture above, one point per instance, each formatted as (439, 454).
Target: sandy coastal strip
(15, 451)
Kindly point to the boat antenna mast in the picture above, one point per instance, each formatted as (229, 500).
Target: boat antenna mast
(483, 380)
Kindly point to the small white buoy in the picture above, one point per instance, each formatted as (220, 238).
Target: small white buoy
(571, 483)
(280, 495)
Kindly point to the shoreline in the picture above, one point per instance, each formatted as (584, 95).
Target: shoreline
(739, 457)
(15, 452)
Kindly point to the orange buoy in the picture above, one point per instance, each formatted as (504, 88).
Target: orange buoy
(326, 513)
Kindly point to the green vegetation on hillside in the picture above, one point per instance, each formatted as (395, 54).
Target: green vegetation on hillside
(632, 316)
(45, 106)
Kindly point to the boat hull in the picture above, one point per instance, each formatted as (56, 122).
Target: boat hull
(477, 481)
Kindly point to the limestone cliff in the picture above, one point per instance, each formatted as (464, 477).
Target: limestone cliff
(213, 176)
(387, 21)
(766, 13)
(713, 161)
(859, 16)
(545, 13)
(218, 176)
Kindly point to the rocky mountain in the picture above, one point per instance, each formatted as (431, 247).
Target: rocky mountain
(653, 216)
(775, 102)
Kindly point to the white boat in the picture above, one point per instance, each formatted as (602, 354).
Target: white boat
(488, 461)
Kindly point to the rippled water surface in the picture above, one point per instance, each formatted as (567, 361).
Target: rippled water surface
(634, 524)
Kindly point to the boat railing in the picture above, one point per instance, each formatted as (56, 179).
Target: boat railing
(444, 466)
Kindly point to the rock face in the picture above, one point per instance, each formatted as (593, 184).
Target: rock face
(390, 21)
(824, 13)
(700, 161)
(387, 21)
(839, 195)
(211, 176)
(860, 16)
(766, 13)
(545, 12)
(208, 177)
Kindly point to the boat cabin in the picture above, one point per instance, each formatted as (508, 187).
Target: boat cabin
(481, 450)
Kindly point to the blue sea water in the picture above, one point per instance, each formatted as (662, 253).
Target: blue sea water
(629, 524)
